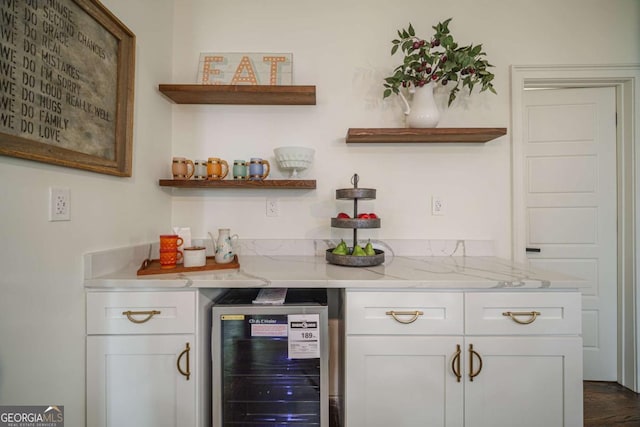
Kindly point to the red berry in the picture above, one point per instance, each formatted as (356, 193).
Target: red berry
(421, 83)
(434, 77)
(428, 70)
(444, 82)
(437, 42)
(416, 45)
(443, 59)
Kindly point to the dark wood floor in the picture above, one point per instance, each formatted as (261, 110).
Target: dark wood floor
(609, 404)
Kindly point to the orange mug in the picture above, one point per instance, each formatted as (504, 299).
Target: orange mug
(217, 168)
(169, 258)
(170, 242)
(182, 168)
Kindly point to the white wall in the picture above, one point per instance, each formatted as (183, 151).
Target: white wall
(42, 309)
(344, 49)
(340, 46)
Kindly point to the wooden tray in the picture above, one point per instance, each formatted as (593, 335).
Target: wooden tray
(152, 266)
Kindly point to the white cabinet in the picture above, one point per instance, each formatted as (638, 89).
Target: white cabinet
(400, 381)
(146, 366)
(499, 359)
(530, 348)
(524, 381)
(135, 381)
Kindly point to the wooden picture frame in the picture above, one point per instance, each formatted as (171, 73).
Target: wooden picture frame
(67, 85)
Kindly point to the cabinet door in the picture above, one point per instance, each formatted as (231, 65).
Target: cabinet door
(133, 381)
(402, 381)
(524, 381)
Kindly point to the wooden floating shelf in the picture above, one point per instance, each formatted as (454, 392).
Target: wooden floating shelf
(239, 94)
(228, 183)
(420, 135)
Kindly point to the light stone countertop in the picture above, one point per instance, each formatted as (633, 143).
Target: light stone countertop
(442, 269)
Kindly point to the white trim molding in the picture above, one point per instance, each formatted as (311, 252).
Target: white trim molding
(625, 78)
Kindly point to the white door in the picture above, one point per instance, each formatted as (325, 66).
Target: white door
(133, 381)
(403, 381)
(569, 149)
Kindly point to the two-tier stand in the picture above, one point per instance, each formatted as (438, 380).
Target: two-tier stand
(355, 223)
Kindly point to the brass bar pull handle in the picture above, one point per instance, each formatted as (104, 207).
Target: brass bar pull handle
(472, 353)
(185, 353)
(149, 315)
(514, 316)
(414, 316)
(455, 363)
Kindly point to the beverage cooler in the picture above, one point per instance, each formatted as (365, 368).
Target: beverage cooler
(270, 362)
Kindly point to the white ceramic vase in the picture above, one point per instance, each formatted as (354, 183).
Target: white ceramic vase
(423, 111)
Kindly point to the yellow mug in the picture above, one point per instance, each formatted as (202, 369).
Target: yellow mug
(217, 168)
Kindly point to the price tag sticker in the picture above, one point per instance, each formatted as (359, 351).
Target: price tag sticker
(304, 336)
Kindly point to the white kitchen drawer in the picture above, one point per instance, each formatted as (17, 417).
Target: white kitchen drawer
(167, 312)
(549, 313)
(435, 313)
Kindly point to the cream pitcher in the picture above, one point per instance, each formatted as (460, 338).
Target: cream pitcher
(423, 111)
(222, 247)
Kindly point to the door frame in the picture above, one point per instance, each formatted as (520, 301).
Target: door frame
(626, 80)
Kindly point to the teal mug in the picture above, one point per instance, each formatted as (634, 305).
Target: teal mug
(240, 170)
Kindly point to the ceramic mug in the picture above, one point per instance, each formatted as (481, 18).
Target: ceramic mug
(182, 168)
(240, 169)
(217, 168)
(200, 170)
(170, 242)
(194, 256)
(257, 170)
(169, 258)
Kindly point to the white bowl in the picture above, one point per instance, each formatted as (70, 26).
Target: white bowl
(295, 158)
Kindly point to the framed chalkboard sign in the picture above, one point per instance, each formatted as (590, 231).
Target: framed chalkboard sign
(66, 84)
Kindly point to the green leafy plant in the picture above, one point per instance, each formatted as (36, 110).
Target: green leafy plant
(438, 60)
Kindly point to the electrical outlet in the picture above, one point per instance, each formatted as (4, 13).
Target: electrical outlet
(437, 206)
(272, 207)
(59, 204)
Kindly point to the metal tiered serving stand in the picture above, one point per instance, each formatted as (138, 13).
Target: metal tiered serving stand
(355, 223)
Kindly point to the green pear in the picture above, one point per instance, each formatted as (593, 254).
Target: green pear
(338, 250)
(341, 249)
(358, 251)
(368, 249)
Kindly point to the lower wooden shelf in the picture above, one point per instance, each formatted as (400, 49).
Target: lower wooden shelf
(229, 183)
(420, 135)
